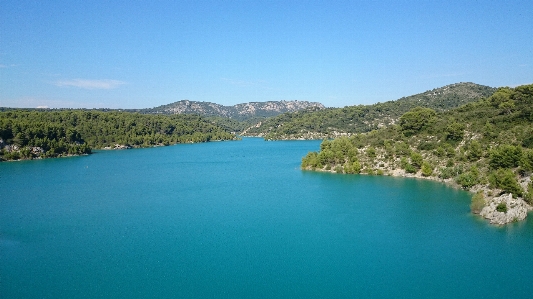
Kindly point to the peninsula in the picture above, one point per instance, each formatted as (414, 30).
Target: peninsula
(485, 146)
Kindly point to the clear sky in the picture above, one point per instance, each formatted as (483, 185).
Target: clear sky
(142, 54)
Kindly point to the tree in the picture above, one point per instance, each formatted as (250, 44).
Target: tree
(455, 131)
(505, 180)
(427, 169)
(416, 119)
(416, 160)
(475, 152)
(505, 156)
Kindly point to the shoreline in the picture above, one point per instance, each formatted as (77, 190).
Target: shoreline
(517, 209)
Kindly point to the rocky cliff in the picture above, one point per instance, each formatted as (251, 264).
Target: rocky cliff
(239, 112)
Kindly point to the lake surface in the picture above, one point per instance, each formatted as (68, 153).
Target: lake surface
(241, 220)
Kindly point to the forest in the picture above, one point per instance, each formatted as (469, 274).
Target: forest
(484, 146)
(30, 134)
(314, 123)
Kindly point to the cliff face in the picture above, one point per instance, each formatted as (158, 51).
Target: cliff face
(239, 112)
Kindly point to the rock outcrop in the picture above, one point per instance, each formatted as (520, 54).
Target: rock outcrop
(516, 209)
(239, 112)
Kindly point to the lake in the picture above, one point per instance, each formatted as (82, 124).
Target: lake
(239, 219)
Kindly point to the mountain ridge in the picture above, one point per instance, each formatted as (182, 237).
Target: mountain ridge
(333, 122)
(240, 112)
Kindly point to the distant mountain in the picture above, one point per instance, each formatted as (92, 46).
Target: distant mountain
(333, 122)
(240, 112)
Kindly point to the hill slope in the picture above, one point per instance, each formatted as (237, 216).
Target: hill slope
(331, 122)
(29, 134)
(240, 112)
(485, 147)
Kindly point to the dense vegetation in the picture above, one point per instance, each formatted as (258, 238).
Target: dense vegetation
(332, 122)
(27, 134)
(484, 145)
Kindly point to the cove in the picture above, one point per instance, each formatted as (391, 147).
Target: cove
(241, 220)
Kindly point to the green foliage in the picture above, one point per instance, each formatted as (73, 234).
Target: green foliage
(477, 203)
(455, 131)
(409, 168)
(505, 180)
(475, 152)
(505, 156)
(74, 132)
(527, 160)
(501, 207)
(416, 119)
(468, 179)
(427, 169)
(371, 152)
(416, 160)
(491, 150)
(320, 123)
(528, 196)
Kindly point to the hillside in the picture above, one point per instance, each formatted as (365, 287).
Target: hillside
(485, 147)
(30, 134)
(239, 112)
(333, 122)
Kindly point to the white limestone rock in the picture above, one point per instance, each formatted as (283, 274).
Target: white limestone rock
(517, 209)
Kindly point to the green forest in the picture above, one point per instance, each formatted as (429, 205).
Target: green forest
(29, 134)
(314, 123)
(484, 146)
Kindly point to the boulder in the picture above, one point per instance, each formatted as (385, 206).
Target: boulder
(517, 209)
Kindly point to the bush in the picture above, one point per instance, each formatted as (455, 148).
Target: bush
(467, 179)
(455, 131)
(339, 169)
(477, 203)
(416, 160)
(474, 151)
(505, 180)
(527, 160)
(501, 207)
(505, 156)
(416, 119)
(410, 168)
(528, 196)
(427, 169)
(446, 172)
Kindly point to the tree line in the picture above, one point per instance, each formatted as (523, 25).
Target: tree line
(27, 134)
(315, 123)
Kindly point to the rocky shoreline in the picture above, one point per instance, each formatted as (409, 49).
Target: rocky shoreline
(516, 208)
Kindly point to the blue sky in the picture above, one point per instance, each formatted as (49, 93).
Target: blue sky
(142, 54)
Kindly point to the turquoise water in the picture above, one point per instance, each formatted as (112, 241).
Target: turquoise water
(241, 220)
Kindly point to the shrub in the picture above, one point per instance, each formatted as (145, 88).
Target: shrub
(467, 179)
(416, 160)
(446, 172)
(527, 160)
(501, 207)
(474, 151)
(416, 119)
(410, 168)
(505, 180)
(477, 203)
(339, 169)
(505, 156)
(455, 131)
(427, 169)
(528, 196)
(371, 152)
